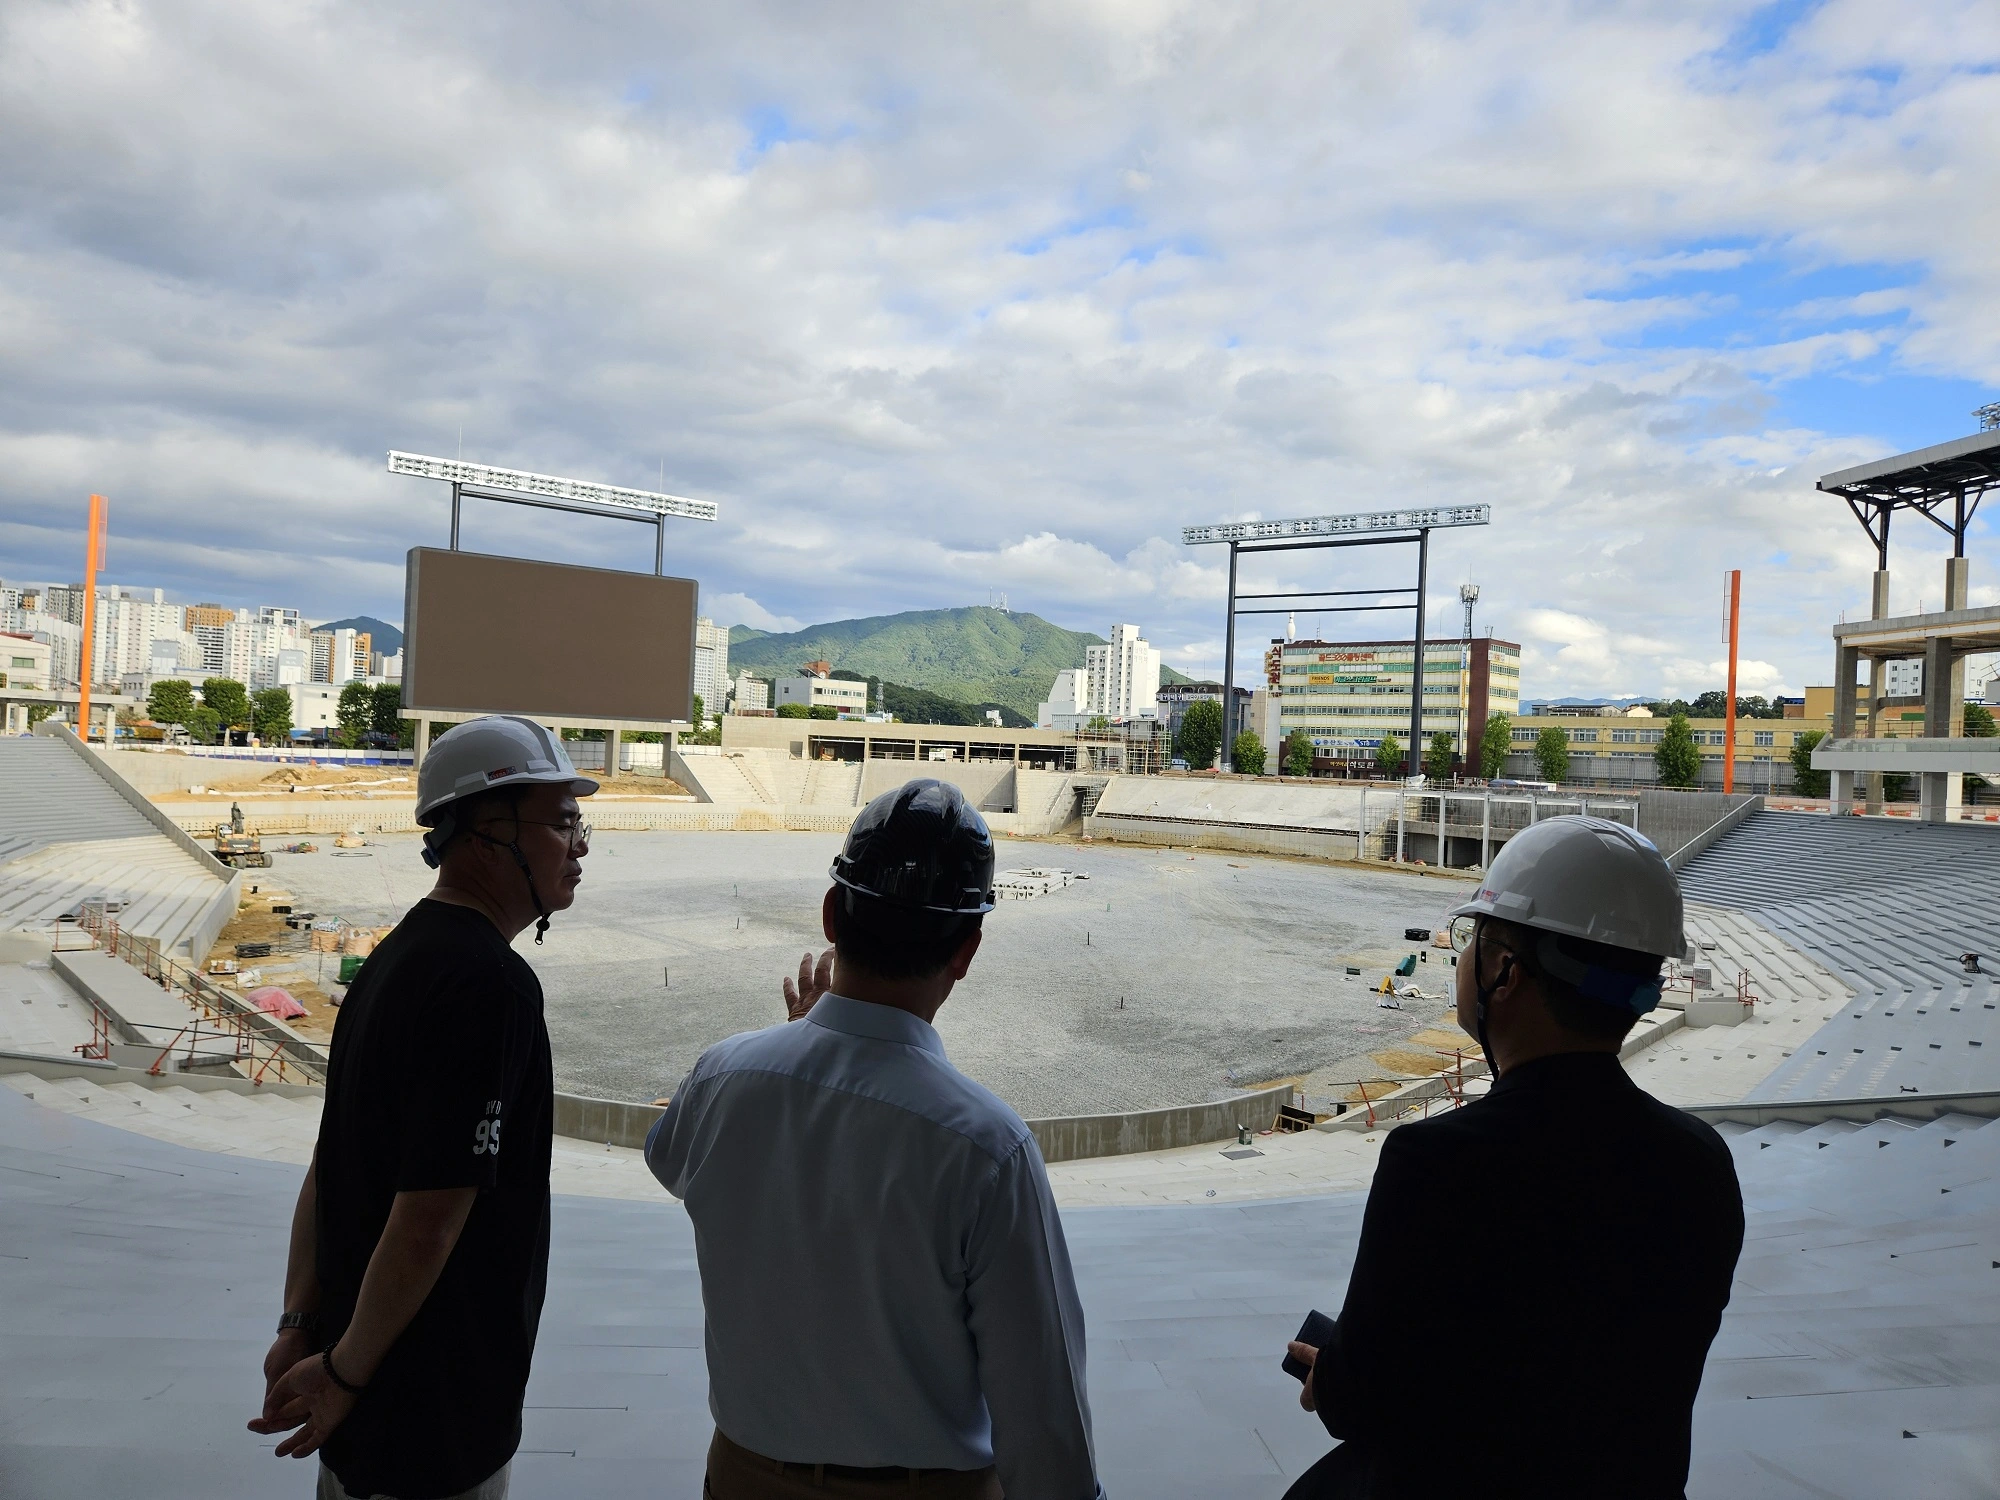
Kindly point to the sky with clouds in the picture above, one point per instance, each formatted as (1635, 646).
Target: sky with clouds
(944, 301)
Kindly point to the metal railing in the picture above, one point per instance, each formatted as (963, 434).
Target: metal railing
(237, 1031)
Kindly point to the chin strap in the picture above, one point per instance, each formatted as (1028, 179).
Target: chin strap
(1480, 991)
(513, 847)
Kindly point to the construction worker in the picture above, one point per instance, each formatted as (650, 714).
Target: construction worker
(890, 1307)
(420, 1244)
(1557, 1253)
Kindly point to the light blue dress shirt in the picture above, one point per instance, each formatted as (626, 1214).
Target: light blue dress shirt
(882, 1268)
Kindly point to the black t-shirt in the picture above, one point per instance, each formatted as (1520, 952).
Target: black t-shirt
(1550, 1264)
(440, 1077)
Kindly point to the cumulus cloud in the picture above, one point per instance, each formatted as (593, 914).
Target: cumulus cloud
(940, 301)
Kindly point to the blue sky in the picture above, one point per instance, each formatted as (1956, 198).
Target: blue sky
(935, 304)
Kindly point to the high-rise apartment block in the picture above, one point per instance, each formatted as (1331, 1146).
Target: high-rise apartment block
(711, 664)
(1118, 680)
(1124, 675)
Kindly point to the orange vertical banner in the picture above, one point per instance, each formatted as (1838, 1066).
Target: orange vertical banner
(1729, 710)
(93, 554)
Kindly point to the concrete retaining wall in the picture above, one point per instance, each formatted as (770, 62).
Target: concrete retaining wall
(1078, 1136)
(1119, 828)
(614, 1123)
(165, 771)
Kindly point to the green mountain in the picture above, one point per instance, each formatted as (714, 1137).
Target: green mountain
(973, 655)
(384, 637)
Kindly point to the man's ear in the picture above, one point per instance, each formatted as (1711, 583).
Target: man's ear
(962, 960)
(826, 911)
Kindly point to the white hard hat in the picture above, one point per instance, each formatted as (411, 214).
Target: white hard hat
(501, 750)
(1585, 878)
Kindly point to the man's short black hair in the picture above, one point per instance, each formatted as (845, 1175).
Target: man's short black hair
(1573, 1010)
(894, 942)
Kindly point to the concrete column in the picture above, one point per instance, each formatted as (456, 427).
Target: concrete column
(1844, 663)
(610, 753)
(1878, 681)
(422, 744)
(1486, 831)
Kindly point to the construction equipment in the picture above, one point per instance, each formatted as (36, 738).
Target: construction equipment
(240, 851)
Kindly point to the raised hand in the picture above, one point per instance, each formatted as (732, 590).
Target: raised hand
(814, 980)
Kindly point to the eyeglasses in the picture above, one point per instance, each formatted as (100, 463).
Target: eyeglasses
(578, 833)
(1463, 930)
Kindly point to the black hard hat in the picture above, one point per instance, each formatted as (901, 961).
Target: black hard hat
(922, 847)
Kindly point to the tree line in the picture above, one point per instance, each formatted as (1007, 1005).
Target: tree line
(221, 706)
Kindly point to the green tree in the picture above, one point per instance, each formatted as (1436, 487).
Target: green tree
(203, 724)
(1389, 759)
(38, 712)
(793, 711)
(1246, 754)
(1552, 755)
(822, 711)
(385, 708)
(1298, 753)
(229, 700)
(699, 713)
(271, 714)
(1494, 743)
(1805, 780)
(1678, 760)
(171, 701)
(1439, 757)
(1200, 736)
(356, 713)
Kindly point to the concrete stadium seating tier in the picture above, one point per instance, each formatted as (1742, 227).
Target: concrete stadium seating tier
(71, 830)
(1889, 907)
(1857, 1360)
(786, 791)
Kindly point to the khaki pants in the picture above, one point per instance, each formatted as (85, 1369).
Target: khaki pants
(493, 1487)
(738, 1474)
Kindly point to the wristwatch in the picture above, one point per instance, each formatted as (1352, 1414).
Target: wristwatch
(288, 1321)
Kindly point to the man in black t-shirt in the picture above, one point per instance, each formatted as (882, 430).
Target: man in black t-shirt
(1555, 1257)
(420, 1244)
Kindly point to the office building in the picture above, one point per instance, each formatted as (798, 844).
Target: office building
(750, 695)
(836, 693)
(24, 661)
(1346, 696)
(1068, 703)
(1175, 698)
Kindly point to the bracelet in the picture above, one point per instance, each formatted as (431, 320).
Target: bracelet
(326, 1360)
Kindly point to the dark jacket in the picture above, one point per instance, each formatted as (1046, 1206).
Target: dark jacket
(1538, 1280)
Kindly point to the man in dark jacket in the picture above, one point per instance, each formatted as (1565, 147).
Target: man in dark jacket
(1539, 1274)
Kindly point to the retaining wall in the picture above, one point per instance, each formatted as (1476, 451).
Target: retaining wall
(613, 1122)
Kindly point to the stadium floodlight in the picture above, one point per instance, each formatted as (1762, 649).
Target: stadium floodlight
(1364, 524)
(549, 486)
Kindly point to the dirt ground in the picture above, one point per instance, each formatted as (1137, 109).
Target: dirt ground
(304, 976)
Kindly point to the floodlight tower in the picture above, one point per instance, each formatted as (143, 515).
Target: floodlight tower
(1468, 595)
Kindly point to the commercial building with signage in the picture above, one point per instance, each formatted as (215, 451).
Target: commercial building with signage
(1346, 695)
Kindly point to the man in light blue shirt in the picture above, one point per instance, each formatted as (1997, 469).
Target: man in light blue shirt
(889, 1298)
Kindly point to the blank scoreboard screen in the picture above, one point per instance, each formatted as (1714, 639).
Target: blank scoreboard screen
(546, 640)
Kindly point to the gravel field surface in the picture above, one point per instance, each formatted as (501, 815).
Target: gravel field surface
(1229, 966)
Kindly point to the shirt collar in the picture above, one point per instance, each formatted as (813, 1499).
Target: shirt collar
(1565, 1070)
(881, 1023)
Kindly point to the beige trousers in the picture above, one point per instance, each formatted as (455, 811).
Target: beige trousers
(492, 1487)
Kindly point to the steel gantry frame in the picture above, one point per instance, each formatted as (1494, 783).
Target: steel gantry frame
(580, 497)
(1380, 528)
